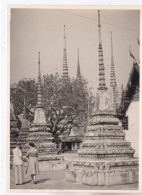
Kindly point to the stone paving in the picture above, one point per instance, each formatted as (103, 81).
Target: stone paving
(56, 180)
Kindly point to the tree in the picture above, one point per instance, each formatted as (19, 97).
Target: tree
(65, 103)
(26, 88)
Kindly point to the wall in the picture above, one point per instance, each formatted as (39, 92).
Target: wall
(132, 134)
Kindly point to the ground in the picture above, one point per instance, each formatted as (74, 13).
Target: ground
(56, 180)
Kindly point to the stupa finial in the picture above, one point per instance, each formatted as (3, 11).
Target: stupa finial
(99, 27)
(78, 66)
(39, 95)
(102, 84)
(65, 65)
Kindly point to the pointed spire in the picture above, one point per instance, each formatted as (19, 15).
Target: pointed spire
(113, 84)
(121, 89)
(39, 95)
(65, 65)
(112, 75)
(24, 109)
(78, 67)
(102, 84)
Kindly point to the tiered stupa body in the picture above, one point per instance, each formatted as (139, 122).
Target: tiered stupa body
(38, 132)
(105, 157)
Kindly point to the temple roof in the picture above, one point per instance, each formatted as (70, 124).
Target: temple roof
(131, 89)
(76, 135)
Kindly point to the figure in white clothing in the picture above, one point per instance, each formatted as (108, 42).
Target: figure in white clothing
(18, 165)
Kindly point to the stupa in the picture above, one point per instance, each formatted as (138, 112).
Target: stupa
(39, 133)
(105, 157)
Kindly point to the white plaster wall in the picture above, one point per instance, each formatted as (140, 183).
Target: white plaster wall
(132, 134)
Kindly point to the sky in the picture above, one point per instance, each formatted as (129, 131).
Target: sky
(34, 30)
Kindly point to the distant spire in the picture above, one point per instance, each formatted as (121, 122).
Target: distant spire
(113, 84)
(102, 84)
(39, 95)
(122, 89)
(78, 67)
(112, 75)
(65, 65)
(24, 109)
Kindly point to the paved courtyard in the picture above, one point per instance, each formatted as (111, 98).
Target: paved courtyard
(56, 180)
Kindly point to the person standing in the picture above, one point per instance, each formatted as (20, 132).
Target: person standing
(18, 165)
(32, 167)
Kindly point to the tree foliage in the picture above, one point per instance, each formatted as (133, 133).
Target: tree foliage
(65, 103)
(26, 88)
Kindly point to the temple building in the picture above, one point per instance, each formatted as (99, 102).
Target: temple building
(39, 133)
(129, 108)
(105, 157)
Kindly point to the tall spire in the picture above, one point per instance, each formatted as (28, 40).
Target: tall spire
(112, 75)
(113, 84)
(39, 95)
(78, 67)
(65, 65)
(102, 84)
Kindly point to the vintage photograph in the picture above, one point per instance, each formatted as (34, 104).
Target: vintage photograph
(74, 99)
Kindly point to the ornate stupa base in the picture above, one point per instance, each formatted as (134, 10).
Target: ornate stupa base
(23, 135)
(40, 135)
(104, 173)
(105, 157)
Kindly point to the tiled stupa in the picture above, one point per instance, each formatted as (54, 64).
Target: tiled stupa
(105, 157)
(39, 133)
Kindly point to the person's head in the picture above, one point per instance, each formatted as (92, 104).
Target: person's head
(31, 145)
